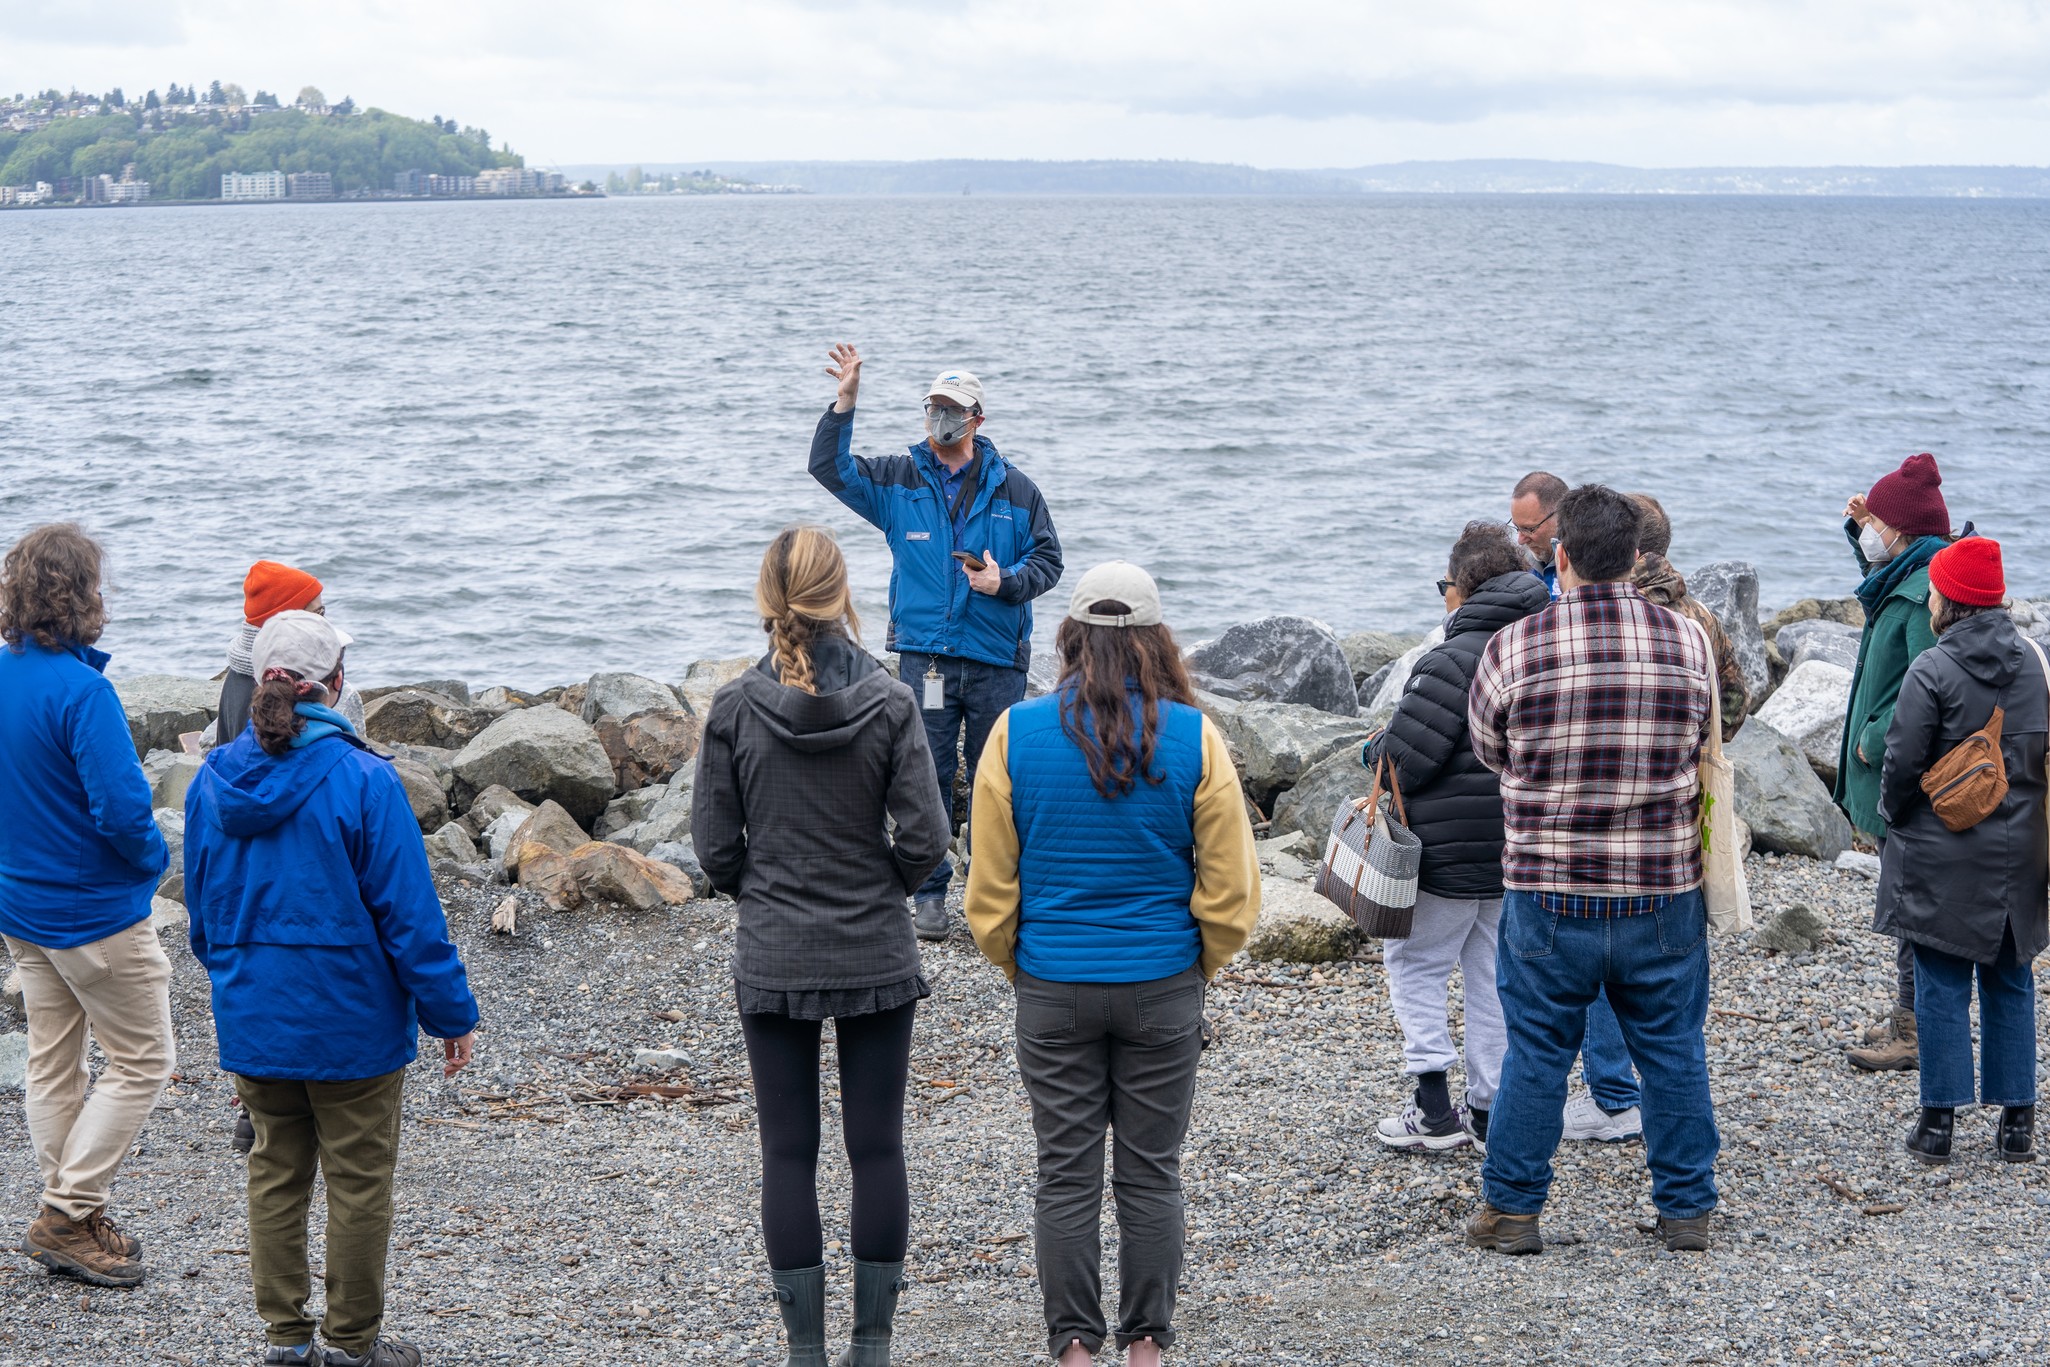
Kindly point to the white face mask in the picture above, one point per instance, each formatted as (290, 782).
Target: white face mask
(1873, 544)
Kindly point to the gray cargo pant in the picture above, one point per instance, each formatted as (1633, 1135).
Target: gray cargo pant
(1119, 1057)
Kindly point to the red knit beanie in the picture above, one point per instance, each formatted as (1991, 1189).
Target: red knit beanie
(271, 588)
(1968, 573)
(1910, 500)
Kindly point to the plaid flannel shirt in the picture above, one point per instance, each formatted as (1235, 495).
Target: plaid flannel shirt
(1594, 712)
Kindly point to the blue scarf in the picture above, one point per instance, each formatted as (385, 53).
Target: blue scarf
(1881, 580)
(320, 721)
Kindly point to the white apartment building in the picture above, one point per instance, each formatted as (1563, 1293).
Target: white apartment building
(253, 185)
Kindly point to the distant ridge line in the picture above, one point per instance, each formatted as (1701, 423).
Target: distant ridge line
(1490, 176)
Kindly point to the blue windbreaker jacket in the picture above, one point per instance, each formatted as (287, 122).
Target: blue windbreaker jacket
(80, 853)
(315, 915)
(932, 609)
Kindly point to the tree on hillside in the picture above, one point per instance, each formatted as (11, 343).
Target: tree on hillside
(150, 101)
(115, 98)
(346, 107)
(216, 95)
(266, 100)
(309, 97)
(232, 93)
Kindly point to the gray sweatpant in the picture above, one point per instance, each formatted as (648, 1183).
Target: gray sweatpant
(1447, 931)
(1119, 1057)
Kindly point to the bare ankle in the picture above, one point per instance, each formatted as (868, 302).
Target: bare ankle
(1075, 1355)
(1142, 1353)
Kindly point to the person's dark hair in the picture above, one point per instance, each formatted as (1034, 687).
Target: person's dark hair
(50, 589)
(272, 708)
(1548, 488)
(1099, 668)
(1598, 528)
(1949, 614)
(1484, 551)
(1655, 531)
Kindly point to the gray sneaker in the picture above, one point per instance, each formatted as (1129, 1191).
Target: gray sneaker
(929, 918)
(305, 1355)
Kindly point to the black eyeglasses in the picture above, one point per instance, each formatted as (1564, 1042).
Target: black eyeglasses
(1445, 586)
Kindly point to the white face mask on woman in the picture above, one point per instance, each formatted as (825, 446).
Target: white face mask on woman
(1873, 543)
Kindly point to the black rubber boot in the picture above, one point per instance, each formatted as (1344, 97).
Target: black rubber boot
(1930, 1139)
(875, 1309)
(801, 1297)
(2018, 1134)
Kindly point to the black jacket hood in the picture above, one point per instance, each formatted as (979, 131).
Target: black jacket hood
(1503, 600)
(852, 690)
(1987, 647)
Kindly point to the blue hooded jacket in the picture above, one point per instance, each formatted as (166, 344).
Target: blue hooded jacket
(80, 854)
(933, 611)
(314, 912)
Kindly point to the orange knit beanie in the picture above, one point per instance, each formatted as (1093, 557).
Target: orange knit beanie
(271, 588)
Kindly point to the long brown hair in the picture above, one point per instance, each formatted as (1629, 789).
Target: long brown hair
(50, 589)
(1100, 669)
(801, 594)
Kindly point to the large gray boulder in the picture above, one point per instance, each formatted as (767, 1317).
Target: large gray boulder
(540, 753)
(628, 809)
(424, 792)
(1729, 589)
(1844, 611)
(413, 716)
(488, 806)
(1808, 709)
(162, 707)
(626, 695)
(454, 689)
(2032, 619)
(1780, 798)
(172, 826)
(13, 1061)
(1830, 642)
(451, 847)
(1275, 744)
(706, 677)
(1278, 659)
(1297, 926)
(1394, 677)
(668, 821)
(1310, 806)
(1369, 652)
(169, 773)
(680, 854)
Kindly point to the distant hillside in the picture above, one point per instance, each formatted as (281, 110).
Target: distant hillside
(1414, 177)
(182, 149)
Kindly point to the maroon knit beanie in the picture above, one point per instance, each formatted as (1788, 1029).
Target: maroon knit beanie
(1910, 500)
(1968, 573)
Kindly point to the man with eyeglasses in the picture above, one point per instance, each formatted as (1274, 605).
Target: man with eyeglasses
(971, 545)
(1534, 517)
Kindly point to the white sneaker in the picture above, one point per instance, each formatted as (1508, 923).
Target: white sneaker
(1410, 1131)
(1585, 1120)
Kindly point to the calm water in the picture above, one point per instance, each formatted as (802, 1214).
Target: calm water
(524, 441)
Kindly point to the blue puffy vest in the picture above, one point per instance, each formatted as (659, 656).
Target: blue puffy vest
(1104, 883)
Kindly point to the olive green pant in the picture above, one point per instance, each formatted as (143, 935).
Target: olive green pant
(350, 1132)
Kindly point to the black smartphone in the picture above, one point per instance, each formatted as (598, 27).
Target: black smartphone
(970, 559)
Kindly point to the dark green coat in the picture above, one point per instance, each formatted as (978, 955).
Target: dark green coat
(1896, 631)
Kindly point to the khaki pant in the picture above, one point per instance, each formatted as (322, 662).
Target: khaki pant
(350, 1132)
(119, 988)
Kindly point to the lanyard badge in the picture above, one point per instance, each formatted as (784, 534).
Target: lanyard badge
(935, 688)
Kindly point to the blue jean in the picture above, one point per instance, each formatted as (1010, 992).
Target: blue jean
(2007, 1028)
(1654, 970)
(976, 695)
(1605, 1061)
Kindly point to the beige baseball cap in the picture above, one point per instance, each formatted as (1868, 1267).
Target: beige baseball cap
(957, 386)
(302, 642)
(1118, 581)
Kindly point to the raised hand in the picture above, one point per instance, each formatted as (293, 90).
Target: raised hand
(1855, 508)
(846, 368)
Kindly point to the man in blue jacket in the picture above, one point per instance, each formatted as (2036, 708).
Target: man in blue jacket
(971, 545)
(80, 856)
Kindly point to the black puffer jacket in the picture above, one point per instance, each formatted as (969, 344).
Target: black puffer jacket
(1960, 892)
(1454, 801)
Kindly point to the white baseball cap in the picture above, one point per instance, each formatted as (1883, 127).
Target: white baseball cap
(958, 386)
(302, 642)
(1118, 581)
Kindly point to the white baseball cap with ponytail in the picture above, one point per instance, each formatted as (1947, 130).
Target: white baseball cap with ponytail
(303, 643)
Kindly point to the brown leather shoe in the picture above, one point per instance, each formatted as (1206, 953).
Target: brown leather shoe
(1691, 1235)
(1503, 1232)
(63, 1244)
(1899, 1052)
(111, 1238)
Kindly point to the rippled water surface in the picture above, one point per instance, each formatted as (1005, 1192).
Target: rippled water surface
(523, 441)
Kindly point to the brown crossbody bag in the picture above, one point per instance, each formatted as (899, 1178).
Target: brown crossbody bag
(1967, 785)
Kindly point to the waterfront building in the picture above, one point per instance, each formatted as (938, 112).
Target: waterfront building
(413, 182)
(311, 185)
(240, 185)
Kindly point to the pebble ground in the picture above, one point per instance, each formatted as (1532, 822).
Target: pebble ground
(547, 1214)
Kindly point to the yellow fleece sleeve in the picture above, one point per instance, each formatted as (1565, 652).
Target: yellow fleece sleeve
(992, 899)
(1226, 902)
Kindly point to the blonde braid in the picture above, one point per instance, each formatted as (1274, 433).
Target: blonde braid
(792, 636)
(802, 591)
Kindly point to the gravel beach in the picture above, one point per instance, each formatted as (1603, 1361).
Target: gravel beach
(548, 1212)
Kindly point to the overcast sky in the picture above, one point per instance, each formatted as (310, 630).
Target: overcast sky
(1279, 83)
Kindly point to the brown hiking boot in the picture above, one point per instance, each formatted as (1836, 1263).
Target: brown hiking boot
(111, 1238)
(1900, 1052)
(1503, 1232)
(63, 1244)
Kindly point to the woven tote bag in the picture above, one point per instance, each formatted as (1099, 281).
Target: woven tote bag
(1724, 887)
(1371, 862)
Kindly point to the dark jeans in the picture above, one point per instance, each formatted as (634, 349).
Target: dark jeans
(349, 1132)
(1119, 1057)
(1654, 970)
(976, 695)
(2007, 1028)
(875, 1057)
(1605, 1060)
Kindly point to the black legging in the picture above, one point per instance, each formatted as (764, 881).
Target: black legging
(875, 1059)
